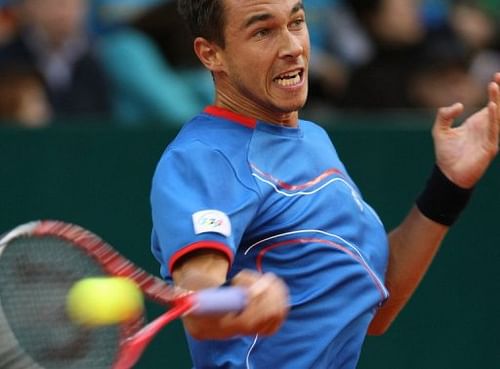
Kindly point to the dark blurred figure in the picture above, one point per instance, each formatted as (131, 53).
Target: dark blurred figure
(477, 23)
(441, 75)
(8, 24)
(396, 32)
(338, 44)
(147, 52)
(474, 24)
(53, 40)
(23, 101)
(414, 65)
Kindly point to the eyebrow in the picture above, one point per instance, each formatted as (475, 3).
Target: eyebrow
(265, 16)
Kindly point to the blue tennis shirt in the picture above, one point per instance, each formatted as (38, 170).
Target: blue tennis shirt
(274, 199)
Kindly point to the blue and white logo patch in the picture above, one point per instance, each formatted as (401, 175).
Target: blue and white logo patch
(211, 221)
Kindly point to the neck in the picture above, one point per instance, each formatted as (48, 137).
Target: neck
(225, 99)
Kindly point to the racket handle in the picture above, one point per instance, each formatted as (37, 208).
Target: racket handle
(219, 300)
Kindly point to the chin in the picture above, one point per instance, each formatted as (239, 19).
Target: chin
(295, 104)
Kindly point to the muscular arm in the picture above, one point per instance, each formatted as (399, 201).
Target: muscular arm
(463, 154)
(267, 304)
(201, 269)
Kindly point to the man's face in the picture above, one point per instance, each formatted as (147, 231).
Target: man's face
(266, 54)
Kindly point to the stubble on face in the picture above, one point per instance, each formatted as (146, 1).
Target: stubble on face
(265, 59)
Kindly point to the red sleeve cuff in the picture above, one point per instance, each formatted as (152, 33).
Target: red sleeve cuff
(201, 245)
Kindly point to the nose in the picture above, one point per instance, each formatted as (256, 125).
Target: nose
(291, 45)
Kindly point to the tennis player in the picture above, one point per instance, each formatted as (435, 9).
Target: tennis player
(250, 194)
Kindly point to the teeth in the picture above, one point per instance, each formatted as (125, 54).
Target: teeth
(288, 79)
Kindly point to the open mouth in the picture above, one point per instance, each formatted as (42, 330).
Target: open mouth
(289, 78)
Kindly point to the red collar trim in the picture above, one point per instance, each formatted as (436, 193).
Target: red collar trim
(230, 115)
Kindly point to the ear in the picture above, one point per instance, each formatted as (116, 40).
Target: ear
(209, 54)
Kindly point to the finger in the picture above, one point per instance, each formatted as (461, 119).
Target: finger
(447, 115)
(261, 285)
(267, 316)
(494, 92)
(262, 318)
(271, 326)
(494, 109)
(245, 278)
(494, 120)
(496, 78)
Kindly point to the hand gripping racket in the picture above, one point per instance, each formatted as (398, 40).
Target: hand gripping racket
(40, 261)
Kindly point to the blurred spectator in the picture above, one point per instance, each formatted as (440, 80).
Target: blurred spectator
(441, 75)
(105, 15)
(22, 98)
(419, 61)
(148, 56)
(337, 45)
(53, 40)
(8, 24)
(476, 27)
(396, 32)
(477, 23)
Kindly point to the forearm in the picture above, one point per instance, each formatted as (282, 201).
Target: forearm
(413, 245)
(267, 298)
(201, 269)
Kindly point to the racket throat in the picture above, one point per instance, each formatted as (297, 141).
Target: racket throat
(132, 348)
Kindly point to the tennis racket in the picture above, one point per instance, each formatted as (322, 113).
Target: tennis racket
(39, 263)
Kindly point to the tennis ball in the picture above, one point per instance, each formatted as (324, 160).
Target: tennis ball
(101, 301)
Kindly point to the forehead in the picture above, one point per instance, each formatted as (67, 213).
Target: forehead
(239, 13)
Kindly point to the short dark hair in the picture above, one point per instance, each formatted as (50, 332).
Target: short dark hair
(204, 18)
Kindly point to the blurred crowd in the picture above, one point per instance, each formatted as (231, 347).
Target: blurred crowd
(403, 54)
(131, 61)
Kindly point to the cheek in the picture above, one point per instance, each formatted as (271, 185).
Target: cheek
(252, 68)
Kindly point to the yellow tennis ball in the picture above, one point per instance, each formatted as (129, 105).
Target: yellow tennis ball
(100, 301)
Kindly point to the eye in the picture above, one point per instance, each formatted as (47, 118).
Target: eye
(262, 32)
(297, 23)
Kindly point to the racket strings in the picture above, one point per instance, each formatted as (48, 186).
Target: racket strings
(112, 261)
(14, 358)
(11, 356)
(36, 274)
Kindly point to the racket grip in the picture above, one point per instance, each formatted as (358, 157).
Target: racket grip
(219, 300)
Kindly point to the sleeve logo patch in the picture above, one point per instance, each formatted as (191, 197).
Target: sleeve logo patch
(211, 221)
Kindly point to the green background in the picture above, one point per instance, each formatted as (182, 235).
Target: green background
(99, 177)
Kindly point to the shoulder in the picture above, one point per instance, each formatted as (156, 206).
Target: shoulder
(313, 130)
(214, 133)
(213, 144)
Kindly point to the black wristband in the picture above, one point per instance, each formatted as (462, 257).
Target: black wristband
(442, 200)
